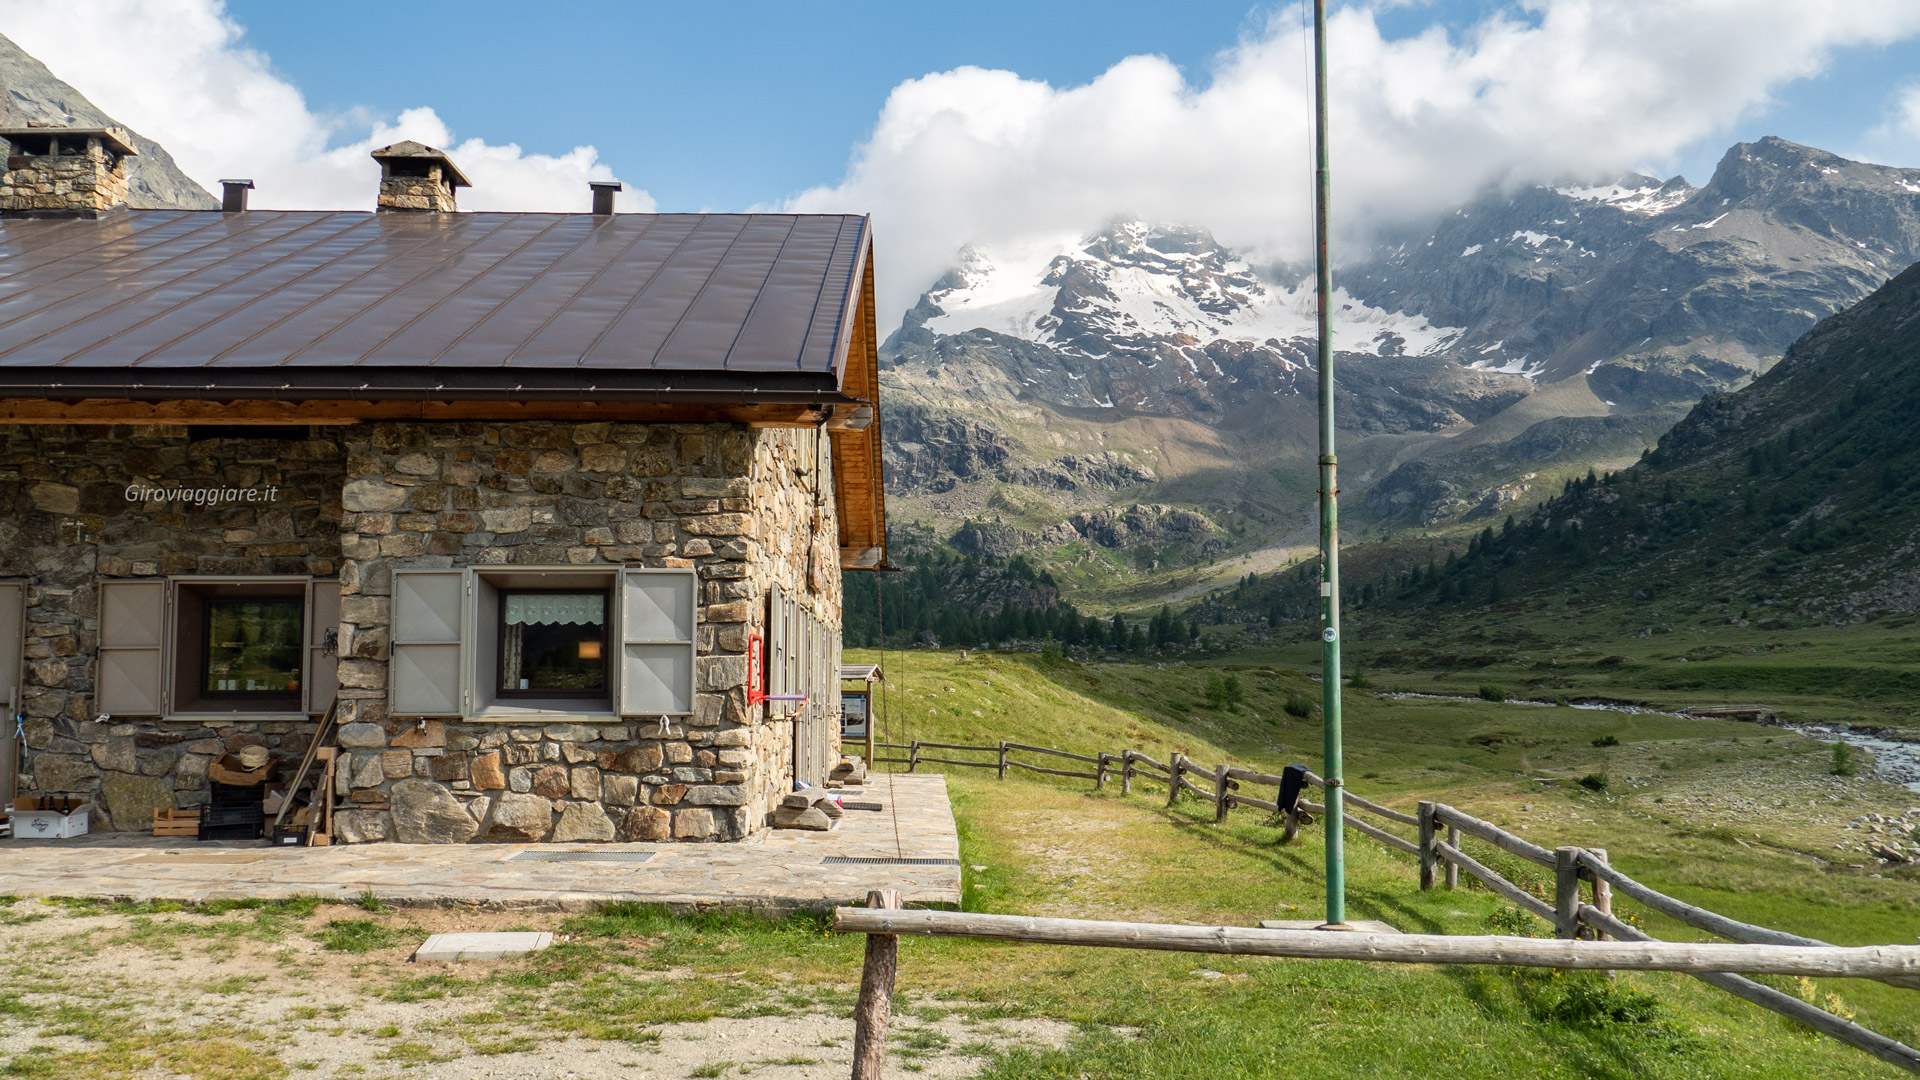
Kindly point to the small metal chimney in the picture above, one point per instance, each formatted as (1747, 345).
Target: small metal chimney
(233, 195)
(603, 195)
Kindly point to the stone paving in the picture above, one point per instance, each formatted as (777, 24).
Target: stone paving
(776, 869)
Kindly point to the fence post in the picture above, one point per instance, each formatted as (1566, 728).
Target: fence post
(1566, 892)
(913, 756)
(1100, 772)
(1176, 765)
(1126, 772)
(1602, 893)
(1222, 802)
(875, 1008)
(1453, 841)
(1003, 759)
(1429, 855)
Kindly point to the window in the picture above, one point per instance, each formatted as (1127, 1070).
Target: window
(512, 643)
(190, 647)
(553, 643)
(252, 646)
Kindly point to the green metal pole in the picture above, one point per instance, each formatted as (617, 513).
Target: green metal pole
(1329, 496)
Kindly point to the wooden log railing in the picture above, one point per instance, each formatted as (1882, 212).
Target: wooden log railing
(1581, 923)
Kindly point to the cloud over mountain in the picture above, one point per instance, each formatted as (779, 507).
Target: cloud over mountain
(177, 71)
(1544, 90)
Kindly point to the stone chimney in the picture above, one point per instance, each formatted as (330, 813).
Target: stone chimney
(415, 176)
(64, 171)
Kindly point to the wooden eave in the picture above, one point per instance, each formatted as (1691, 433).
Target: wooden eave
(858, 480)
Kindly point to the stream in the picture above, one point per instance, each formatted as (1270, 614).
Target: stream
(1894, 761)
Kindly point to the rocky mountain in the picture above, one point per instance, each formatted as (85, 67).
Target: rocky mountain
(32, 93)
(1484, 358)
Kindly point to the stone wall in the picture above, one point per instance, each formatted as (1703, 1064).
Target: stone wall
(91, 180)
(733, 503)
(66, 521)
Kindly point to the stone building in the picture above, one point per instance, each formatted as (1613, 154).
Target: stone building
(543, 507)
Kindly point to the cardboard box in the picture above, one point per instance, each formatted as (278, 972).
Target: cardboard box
(60, 819)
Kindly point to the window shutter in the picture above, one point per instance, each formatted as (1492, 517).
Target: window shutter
(13, 606)
(323, 653)
(656, 642)
(427, 674)
(776, 643)
(133, 648)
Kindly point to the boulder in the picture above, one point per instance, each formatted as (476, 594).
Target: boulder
(131, 800)
(426, 813)
(56, 773)
(583, 821)
(116, 755)
(812, 817)
(363, 736)
(516, 818)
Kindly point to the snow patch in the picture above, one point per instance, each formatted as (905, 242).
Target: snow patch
(1535, 239)
(1638, 200)
(1472, 250)
(1711, 224)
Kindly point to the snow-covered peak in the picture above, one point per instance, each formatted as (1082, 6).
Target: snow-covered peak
(1134, 281)
(1642, 195)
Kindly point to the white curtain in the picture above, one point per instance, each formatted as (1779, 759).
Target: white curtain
(527, 609)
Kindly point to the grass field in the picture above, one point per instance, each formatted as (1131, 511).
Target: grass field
(1740, 818)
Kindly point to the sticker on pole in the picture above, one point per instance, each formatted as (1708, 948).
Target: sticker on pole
(1329, 634)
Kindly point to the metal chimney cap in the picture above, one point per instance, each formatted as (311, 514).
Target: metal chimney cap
(610, 185)
(237, 183)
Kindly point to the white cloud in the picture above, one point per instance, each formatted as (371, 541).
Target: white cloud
(176, 71)
(1574, 89)
(1903, 116)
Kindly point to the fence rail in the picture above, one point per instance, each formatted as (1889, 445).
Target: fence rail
(1573, 915)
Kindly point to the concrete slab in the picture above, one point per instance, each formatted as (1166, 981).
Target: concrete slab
(1365, 926)
(481, 946)
(776, 870)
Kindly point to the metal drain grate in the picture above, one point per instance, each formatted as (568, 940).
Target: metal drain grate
(851, 860)
(582, 856)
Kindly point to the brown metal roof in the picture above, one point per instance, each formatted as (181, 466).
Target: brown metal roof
(319, 304)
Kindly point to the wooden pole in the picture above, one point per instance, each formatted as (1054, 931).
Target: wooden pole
(1452, 871)
(1222, 802)
(1566, 892)
(1891, 1051)
(1685, 956)
(1126, 772)
(1602, 893)
(875, 1008)
(1100, 772)
(913, 756)
(1003, 759)
(1176, 765)
(1429, 857)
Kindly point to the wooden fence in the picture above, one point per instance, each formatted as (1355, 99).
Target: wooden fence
(1580, 907)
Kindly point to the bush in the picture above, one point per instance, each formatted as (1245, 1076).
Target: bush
(1299, 704)
(1225, 693)
(1050, 653)
(1607, 740)
(1594, 781)
(1490, 692)
(1359, 681)
(1843, 760)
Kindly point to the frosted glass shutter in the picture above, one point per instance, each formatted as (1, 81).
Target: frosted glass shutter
(133, 647)
(425, 677)
(656, 642)
(323, 658)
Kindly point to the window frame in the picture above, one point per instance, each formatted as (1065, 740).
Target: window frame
(608, 631)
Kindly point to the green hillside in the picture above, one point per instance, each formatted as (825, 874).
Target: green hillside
(1674, 813)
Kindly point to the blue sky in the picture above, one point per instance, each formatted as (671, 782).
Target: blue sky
(727, 106)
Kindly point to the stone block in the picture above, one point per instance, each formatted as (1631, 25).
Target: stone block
(362, 826)
(552, 782)
(669, 794)
(372, 496)
(427, 813)
(716, 795)
(517, 818)
(369, 769)
(638, 759)
(688, 774)
(417, 736)
(678, 753)
(575, 754)
(619, 790)
(520, 780)
(520, 753)
(645, 823)
(583, 821)
(585, 783)
(486, 773)
(396, 763)
(56, 773)
(693, 824)
(447, 767)
(363, 736)
(191, 773)
(572, 733)
(116, 755)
